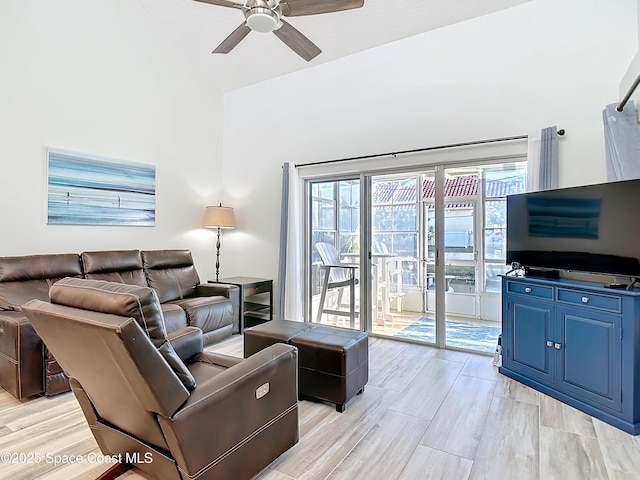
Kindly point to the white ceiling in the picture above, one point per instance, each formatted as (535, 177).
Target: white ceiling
(199, 27)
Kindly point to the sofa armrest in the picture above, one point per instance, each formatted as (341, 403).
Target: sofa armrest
(21, 356)
(232, 292)
(187, 342)
(223, 413)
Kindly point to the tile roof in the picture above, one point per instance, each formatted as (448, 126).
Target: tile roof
(459, 186)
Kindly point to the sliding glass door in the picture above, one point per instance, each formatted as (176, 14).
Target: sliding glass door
(334, 252)
(472, 235)
(462, 224)
(412, 255)
(394, 249)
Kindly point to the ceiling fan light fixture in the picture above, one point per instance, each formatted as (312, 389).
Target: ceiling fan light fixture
(266, 16)
(262, 20)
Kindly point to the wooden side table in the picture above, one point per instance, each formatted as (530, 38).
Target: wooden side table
(254, 308)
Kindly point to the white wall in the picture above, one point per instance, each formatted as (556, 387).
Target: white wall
(633, 72)
(545, 62)
(99, 77)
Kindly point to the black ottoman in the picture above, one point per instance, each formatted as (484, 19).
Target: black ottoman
(333, 364)
(266, 334)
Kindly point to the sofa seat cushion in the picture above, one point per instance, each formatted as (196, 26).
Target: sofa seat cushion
(140, 303)
(207, 313)
(203, 371)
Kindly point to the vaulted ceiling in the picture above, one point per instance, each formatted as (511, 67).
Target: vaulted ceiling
(199, 28)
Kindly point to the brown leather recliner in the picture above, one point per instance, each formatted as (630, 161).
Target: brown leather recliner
(182, 414)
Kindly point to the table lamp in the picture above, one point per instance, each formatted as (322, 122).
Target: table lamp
(219, 217)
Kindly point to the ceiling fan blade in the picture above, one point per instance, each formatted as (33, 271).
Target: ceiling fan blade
(222, 3)
(294, 8)
(297, 42)
(232, 40)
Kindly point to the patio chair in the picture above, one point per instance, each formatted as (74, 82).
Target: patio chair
(337, 275)
(388, 273)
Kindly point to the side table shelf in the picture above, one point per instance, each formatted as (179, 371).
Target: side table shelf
(256, 300)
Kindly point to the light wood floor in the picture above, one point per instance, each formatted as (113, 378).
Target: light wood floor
(425, 414)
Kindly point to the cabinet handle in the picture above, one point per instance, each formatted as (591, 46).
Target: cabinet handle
(549, 343)
(558, 346)
(585, 299)
(527, 290)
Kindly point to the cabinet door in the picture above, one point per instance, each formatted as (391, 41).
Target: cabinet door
(589, 362)
(528, 330)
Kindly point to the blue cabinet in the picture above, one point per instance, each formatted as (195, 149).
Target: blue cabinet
(527, 332)
(577, 342)
(588, 358)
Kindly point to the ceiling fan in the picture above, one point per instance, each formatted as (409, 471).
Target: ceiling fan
(266, 16)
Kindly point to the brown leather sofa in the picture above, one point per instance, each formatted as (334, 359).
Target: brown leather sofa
(27, 367)
(166, 411)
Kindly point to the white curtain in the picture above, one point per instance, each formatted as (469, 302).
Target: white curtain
(542, 160)
(622, 142)
(291, 261)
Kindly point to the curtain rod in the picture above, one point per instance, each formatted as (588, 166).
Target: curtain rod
(438, 147)
(626, 98)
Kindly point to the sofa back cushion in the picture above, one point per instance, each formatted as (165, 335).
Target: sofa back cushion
(170, 273)
(27, 277)
(140, 303)
(122, 266)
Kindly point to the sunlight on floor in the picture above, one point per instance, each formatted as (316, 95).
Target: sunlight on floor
(400, 325)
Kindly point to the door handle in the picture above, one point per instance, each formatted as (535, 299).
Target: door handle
(549, 343)
(558, 346)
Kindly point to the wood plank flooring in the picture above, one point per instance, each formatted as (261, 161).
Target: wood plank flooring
(425, 414)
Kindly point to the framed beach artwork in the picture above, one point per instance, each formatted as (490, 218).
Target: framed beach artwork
(91, 190)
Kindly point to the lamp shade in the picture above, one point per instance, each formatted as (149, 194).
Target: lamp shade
(219, 217)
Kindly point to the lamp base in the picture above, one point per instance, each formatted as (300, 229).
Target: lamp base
(218, 256)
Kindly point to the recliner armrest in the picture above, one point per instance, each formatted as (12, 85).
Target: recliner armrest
(187, 342)
(218, 359)
(228, 410)
(232, 292)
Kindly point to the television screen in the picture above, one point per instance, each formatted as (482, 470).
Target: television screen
(592, 228)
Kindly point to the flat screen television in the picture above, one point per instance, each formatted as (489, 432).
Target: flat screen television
(591, 228)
